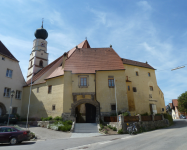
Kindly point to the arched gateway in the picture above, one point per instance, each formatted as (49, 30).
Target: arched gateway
(91, 110)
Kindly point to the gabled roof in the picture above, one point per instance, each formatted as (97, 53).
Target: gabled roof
(136, 63)
(57, 71)
(83, 44)
(5, 52)
(89, 60)
(175, 102)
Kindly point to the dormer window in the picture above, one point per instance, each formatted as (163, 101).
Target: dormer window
(41, 63)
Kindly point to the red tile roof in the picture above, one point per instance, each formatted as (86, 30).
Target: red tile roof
(83, 44)
(58, 72)
(136, 63)
(175, 102)
(5, 52)
(88, 60)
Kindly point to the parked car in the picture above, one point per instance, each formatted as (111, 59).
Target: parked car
(12, 119)
(182, 117)
(13, 135)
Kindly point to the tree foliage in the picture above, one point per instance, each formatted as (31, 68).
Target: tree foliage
(182, 102)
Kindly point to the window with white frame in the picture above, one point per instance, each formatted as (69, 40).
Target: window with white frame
(7, 92)
(18, 94)
(9, 73)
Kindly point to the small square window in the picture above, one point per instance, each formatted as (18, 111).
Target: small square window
(150, 95)
(149, 74)
(49, 89)
(83, 81)
(151, 88)
(7, 92)
(9, 73)
(137, 73)
(18, 95)
(113, 107)
(111, 82)
(128, 88)
(53, 107)
(134, 89)
(38, 89)
(3, 58)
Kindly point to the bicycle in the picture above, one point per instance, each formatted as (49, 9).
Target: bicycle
(132, 129)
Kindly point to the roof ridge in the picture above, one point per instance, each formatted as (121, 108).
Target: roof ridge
(135, 60)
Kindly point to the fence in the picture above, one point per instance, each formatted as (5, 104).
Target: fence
(131, 119)
(156, 118)
(110, 119)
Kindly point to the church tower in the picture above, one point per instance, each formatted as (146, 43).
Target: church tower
(39, 55)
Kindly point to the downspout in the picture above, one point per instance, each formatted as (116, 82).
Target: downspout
(96, 95)
(30, 94)
(116, 100)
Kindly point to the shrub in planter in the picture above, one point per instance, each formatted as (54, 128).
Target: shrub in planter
(57, 118)
(64, 128)
(145, 114)
(101, 126)
(114, 129)
(120, 131)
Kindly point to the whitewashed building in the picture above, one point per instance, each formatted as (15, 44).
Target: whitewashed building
(11, 78)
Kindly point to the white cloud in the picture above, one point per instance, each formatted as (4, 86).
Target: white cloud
(144, 5)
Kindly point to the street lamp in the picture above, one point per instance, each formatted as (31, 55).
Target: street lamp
(12, 94)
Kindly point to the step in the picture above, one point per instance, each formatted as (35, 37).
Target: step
(86, 128)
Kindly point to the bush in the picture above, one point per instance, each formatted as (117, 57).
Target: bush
(64, 128)
(113, 114)
(47, 119)
(68, 122)
(110, 126)
(145, 114)
(169, 117)
(114, 129)
(57, 118)
(120, 131)
(101, 126)
(125, 114)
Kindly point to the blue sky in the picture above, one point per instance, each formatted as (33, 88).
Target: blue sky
(153, 31)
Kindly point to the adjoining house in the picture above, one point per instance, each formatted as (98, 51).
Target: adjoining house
(175, 112)
(11, 78)
(86, 83)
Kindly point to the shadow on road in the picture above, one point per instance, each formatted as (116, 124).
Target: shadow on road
(180, 123)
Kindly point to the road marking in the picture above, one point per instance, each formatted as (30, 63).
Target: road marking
(105, 142)
(126, 137)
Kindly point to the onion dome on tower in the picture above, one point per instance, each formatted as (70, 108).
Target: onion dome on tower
(41, 33)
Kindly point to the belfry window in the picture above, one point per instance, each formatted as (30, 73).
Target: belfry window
(41, 63)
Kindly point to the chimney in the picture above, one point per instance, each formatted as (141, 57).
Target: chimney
(64, 58)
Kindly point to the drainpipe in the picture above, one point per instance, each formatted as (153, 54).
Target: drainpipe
(116, 100)
(30, 94)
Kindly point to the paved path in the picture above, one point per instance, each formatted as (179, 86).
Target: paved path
(44, 133)
(172, 138)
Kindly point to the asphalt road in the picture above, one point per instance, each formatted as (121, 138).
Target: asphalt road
(172, 138)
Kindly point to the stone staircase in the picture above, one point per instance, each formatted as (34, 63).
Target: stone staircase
(86, 128)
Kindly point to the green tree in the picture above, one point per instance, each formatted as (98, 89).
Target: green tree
(182, 102)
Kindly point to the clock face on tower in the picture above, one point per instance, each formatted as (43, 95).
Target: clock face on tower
(42, 44)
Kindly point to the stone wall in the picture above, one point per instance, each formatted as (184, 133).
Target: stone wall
(141, 125)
